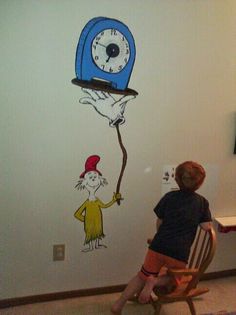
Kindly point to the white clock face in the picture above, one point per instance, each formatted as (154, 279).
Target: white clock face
(110, 50)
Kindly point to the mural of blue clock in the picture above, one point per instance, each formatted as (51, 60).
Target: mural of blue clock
(105, 56)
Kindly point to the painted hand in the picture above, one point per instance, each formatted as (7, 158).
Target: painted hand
(117, 196)
(107, 105)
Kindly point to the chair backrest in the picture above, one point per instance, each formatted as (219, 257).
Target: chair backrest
(202, 253)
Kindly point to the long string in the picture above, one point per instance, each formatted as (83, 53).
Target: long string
(124, 161)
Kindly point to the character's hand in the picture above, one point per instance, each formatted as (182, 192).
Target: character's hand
(117, 196)
(106, 105)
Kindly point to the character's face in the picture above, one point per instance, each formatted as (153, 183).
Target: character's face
(92, 181)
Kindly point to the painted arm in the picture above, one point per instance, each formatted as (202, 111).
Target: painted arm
(110, 203)
(78, 213)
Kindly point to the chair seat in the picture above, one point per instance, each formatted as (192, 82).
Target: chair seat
(202, 254)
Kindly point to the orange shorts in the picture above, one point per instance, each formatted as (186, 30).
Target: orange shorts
(156, 264)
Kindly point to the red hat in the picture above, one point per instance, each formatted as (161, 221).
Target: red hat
(90, 165)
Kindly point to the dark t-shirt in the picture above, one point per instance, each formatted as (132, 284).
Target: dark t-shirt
(181, 212)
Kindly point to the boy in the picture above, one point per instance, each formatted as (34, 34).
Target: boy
(178, 215)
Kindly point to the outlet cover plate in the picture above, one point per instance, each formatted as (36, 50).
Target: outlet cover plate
(58, 252)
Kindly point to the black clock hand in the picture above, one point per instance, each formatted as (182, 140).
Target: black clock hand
(111, 52)
(109, 57)
(101, 44)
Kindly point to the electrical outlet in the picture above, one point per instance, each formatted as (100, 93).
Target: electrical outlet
(58, 252)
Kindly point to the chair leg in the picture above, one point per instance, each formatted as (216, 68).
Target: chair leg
(191, 306)
(157, 308)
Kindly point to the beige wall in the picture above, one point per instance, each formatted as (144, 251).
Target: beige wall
(185, 76)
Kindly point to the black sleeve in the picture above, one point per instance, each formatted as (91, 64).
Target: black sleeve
(206, 213)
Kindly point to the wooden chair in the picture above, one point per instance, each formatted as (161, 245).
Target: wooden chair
(202, 253)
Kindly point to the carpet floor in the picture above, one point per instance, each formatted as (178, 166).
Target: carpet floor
(221, 300)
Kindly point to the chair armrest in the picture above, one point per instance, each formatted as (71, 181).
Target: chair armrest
(182, 272)
(149, 240)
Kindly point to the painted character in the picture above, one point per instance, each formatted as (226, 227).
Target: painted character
(110, 106)
(90, 212)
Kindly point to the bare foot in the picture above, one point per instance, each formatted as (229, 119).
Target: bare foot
(100, 246)
(87, 250)
(115, 310)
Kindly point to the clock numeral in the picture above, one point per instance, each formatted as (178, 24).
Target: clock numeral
(96, 57)
(120, 67)
(103, 67)
(113, 32)
(125, 60)
(110, 70)
(127, 51)
(94, 46)
(98, 38)
(102, 33)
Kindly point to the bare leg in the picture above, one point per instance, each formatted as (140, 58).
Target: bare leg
(152, 282)
(98, 245)
(145, 294)
(90, 248)
(135, 285)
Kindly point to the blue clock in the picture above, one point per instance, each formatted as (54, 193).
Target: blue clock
(105, 56)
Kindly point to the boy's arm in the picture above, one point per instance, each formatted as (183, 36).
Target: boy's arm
(206, 225)
(158, 223)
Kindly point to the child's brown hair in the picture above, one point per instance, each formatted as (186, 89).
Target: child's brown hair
(189, 175)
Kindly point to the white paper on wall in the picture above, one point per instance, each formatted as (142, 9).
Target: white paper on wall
(168, 182)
